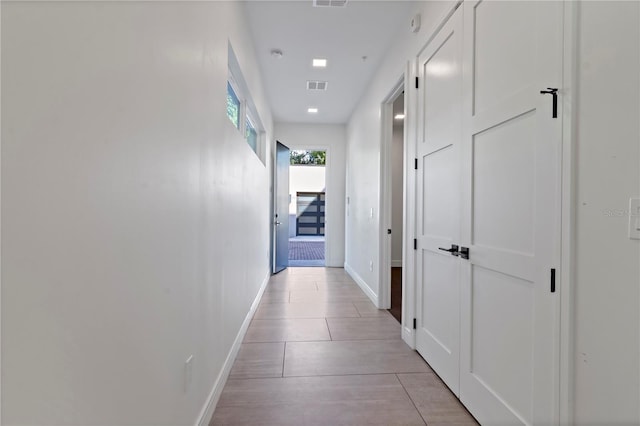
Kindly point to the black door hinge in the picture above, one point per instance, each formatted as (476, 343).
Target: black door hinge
(415, 324)
(553, 280)
(416, 82)
(415, 164)
(415, 244)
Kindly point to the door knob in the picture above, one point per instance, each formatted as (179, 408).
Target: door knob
(278, 223)
(453, 250)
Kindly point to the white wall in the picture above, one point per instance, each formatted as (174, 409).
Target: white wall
(134, 215)
(305, 178)
(363, 148)
(397, 170)
(607, 284)
(331, 137)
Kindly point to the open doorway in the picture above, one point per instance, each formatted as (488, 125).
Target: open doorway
(392, 201)
(307, 207)
(397, 212)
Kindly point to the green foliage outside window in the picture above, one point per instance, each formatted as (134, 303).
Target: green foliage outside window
(233, 106)
(316, 158)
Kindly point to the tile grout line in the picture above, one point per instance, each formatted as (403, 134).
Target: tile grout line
(328, 329)
(284, 355)
(385, 373)
(411, 399)
(356, 308)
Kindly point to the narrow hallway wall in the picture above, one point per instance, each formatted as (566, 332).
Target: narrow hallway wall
(363, 147)
(134, 214)
(607, 262)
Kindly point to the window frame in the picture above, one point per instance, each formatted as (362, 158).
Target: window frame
(248, 115)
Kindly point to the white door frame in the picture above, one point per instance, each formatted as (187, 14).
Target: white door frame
(568, 193)
(385, 207)
(386, 117)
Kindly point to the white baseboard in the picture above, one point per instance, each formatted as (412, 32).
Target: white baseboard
(361, 283)
(396, 263)
(409, 337)
(214, 396)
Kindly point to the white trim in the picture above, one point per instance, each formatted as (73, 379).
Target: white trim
(396, 263)
(408, 336)
(361, 283)
(568, 190)
(409, 279)
(0, 230)
(214, 396)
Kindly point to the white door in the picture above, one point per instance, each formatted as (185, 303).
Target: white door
(438, 201)
(511, 155)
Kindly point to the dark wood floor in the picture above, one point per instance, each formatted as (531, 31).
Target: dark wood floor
(396, 294)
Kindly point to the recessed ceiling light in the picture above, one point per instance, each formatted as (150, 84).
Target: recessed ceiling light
(399, 116)
(312, 110)
(319, 63)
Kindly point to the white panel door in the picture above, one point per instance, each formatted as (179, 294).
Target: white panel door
(438, 201)
(511, 156)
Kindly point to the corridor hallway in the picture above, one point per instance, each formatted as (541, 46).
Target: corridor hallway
(318, 352)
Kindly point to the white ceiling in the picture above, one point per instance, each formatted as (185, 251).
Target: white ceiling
(342, 35)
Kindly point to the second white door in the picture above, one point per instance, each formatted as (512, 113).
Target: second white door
(438, 203)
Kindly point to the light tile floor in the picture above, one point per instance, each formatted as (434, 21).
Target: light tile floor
(318, 352)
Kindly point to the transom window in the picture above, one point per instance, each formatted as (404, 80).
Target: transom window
(241, 110)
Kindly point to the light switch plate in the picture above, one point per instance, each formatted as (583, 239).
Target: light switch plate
(634, 218)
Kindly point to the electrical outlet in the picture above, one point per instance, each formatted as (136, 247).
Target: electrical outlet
(371, 265)
(188, 373)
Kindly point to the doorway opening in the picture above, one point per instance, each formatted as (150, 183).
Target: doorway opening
(307, 195)
(392, 207)
(397, 211)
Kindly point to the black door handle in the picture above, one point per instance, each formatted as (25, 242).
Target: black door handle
(553, 92)
(453, 250)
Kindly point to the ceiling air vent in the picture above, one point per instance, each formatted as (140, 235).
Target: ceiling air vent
(329, 3)
(316, 85)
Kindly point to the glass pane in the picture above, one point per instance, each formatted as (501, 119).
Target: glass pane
(233, 106)
(252, 136)
(322, 209)
(308, 209)
(322, 197)
(307, 219)
(308, 231)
